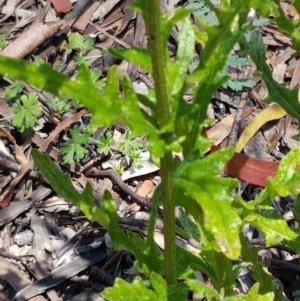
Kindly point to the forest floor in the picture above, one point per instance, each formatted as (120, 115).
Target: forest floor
(44, 240)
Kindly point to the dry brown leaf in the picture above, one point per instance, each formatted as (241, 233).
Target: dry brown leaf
(251, 170)
(221, 130)
(81, 24)
(146, 188)
(62, 6)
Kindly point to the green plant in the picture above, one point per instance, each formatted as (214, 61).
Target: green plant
(195, 183)
(98, 79)
(105, 144)
(3, 36)
(13, 91)
(96, 75)
(27, 118)
(237, 62)
(129, 147)
(80, 45)
(201, 9)
(239, 82)
(78, 42)
(74, 149)
(58, 105)
(26, 110)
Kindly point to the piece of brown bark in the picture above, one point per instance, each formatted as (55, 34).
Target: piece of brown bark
(62, 6)
(33, 37)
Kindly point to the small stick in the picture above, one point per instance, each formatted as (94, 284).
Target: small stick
(234, 133)
(116, 178)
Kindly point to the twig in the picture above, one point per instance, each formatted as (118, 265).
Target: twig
(77, 11)
(234, 133)
(279, 264)
(116, 178)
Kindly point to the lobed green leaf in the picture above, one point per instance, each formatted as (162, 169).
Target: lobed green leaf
(212, 164)
(275, 229)
(135, 291)
(253, 295)
(26, 110)
(62, 185)
(177, 70)
(180, 290)
(135, 55)
(287, 178)
(42, 76)
(220, 219)
(79, 42)
(208, 74)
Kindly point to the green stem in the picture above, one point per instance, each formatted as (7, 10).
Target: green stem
(169, 219)
(158, 55)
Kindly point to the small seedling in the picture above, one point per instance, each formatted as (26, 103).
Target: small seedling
(81, 59)
(74, 149)
(130, 148)
(131, 144)
(59, 106)
(105, 144)
(79, 42)
(13, 91)
(26, 110)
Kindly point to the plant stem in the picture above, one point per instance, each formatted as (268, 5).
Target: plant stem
(158, 56)
(169, 218)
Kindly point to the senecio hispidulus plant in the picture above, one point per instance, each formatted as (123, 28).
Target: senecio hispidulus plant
(171, 125)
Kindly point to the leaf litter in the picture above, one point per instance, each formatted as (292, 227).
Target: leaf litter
(59, 254)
